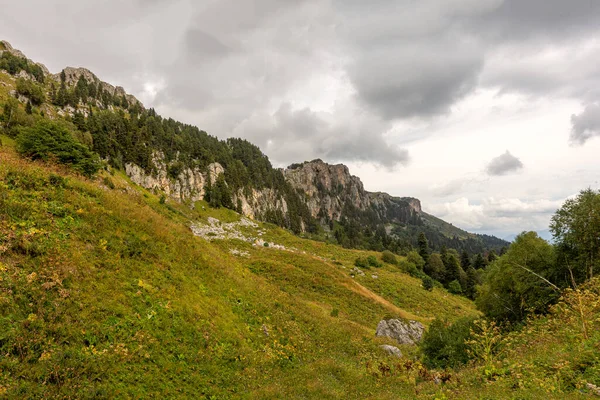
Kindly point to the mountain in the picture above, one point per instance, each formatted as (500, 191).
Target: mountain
(111, 290)
(188, 165)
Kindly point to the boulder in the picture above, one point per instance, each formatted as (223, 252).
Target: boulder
(404, 332)
(391, 350)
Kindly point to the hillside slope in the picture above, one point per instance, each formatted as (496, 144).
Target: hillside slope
(108, 293)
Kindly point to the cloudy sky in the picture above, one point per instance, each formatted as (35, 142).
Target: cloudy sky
(486, 110)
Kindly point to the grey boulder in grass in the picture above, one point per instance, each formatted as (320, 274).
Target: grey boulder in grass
(404, 332)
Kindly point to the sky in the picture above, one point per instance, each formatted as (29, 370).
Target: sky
(488, 111)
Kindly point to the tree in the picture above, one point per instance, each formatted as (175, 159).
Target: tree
(454, 272)
(423, 245)
(517, 284)
(478, 263)
(50, 140)
(473, 279)
(465, 260)
(576, 231)
(29, 108)
(435, 267)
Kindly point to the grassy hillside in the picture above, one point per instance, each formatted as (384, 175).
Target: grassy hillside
(106, 292)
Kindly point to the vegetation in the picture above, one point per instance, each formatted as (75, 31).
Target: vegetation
(105, 292)
(48, 140)
(444, 344)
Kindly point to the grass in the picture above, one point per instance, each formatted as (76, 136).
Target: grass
(108, 287)
(106, 293)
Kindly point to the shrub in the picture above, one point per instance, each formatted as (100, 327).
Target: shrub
(428, 283)
(373, 262)
(416, 259)
(389, 257)
(32, 90)
(362, 262)
(443, 344)
(454, 287)
(48, 140)
(408, 268)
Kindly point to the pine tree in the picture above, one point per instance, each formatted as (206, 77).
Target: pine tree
(423, 245)
(465, 260)
(479, 262)
(455, 272)
(472, 282)
(29, 108)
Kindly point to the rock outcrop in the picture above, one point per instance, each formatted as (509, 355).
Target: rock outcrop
(331, 191)
(72, 75)
(391, 350)
(404, 332)
(5, 46)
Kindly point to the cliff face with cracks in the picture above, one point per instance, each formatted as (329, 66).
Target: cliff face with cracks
(331, 192)
(190, 185)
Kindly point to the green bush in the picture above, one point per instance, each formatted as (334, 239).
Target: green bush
(389, 257)
(443, 345)
(362, 262)
(416, 259)
(33, 91)
(428, 283)
(373, 262)
(48, 140)
(454, 287)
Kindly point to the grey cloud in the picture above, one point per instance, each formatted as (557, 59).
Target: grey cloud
(539, 19)
(221, 64)
(504, 164)
(585, 125)
(296, 135)
(416, 79)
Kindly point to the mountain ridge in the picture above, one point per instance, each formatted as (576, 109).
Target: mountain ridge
(188, 165)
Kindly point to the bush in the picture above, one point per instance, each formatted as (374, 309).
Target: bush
(32, 90)
(373, 262)
(454, 287)
(48, 140)
(444, 346)
(362, 262)
(428, 283)
(416, 259)
(408, 268)
(389, 257)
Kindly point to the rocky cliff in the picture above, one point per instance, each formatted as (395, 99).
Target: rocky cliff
(332, 193)
(287, 197)
(72, 75)
(190, 185)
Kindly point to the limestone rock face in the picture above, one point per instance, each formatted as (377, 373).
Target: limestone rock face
(18, 53)
(391, 350)
(189, 185)
(404, 332)
(331, 188)
(72, 76)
